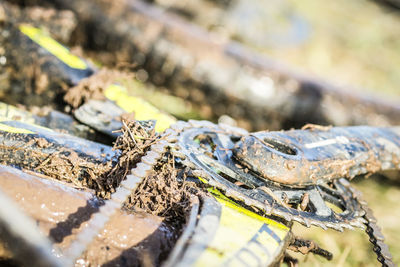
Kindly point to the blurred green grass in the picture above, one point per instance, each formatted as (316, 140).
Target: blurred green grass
(352, 42)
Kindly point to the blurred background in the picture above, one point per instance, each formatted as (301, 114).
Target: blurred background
(346, 42)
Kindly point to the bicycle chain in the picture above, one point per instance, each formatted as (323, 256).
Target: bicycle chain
(124, 190)
(374, 232)
(168, 140)
(126, 187)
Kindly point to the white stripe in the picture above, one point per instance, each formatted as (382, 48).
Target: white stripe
(327, 142)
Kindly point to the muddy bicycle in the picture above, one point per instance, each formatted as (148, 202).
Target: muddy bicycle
(229, 205)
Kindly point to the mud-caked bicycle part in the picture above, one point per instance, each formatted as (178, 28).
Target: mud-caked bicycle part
(106, 115)
(268, 238)
(81, 155)
(253, 240)
(118, 198)
(52, 71)
(215, 154)
(124, 240)
(48, 118)
(210, 150)
(307, 157)
(22, 236)
(305, 246)
(58, 155)
(101, 115)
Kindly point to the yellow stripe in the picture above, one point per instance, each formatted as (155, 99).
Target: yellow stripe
(231, 204)
(51, 45)
(11, 113)
(10, 129)
(228, 202)
(142, 109)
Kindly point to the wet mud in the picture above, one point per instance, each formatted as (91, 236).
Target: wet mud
(129, 239)
(58, 160)
(164, 192)
(93, 87)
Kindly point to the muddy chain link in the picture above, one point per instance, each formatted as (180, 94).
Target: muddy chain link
(372, 229)
(98, 220)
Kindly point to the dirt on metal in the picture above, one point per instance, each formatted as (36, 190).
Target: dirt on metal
(93, 87)
(63, 164)
(128, 239)
(161, 193)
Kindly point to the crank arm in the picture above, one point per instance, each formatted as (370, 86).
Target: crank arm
(315, 156)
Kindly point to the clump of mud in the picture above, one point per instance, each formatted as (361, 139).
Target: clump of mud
(92, 88)
(164, 192)
(133, 143)
(66, 165)
(61, 163)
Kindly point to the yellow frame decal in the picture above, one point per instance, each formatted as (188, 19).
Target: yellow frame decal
(243, 237)
(54, 47)
(143, 110)
(10, 129)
